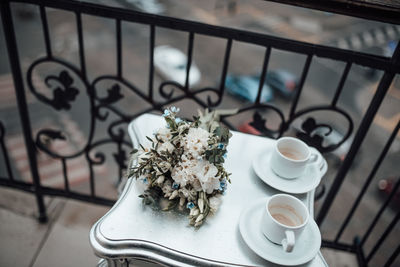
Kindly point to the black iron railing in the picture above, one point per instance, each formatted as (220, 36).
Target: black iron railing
(66, 90)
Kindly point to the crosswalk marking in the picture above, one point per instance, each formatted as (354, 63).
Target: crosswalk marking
(368, 38)
(390, 32)
(355, 42)
(342, 43)
(379, 36)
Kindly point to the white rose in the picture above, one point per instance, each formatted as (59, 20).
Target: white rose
(163, 134)
(180, 175)
(196, 141)
(206, 174)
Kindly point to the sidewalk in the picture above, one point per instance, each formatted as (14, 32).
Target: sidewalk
(64, 240)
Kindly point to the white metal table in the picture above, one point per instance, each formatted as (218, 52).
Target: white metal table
(131, 230)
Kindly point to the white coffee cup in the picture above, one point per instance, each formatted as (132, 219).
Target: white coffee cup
(284, 219)
(290, 157)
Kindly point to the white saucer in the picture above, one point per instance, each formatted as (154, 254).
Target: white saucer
(306, 248)
(306, 182)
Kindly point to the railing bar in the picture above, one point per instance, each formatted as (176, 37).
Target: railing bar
(373, 107)
(341, 83)
(5, 153)
(119, 48)
(27, 187)
(78, 196)
(299, 88)
(392, 257)
(383, 236)
(7, 160)
(338, 246)
(379, 214)
(359, 254)
(12, 49)
(263, 74)
(189, 59)
(91, 176)
(151, 63)
(368, 181)
(119, 145)
(45, 27)
(65, 176)
(80, 42)
(225, 66)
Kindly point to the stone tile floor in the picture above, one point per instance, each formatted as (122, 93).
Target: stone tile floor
(64, 240)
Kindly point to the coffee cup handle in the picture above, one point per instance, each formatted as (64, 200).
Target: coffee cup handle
(316, 158)
(288, 242)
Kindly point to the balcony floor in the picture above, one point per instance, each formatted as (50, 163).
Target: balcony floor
(64, 240)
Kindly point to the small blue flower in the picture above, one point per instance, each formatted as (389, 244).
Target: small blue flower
(178, 120)
(222, 185)
(175, 109)
(190, 205)
(175, 185)
(145, 181)
(166, 113)
(220, 146)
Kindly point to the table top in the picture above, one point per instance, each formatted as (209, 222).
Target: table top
(133, 230)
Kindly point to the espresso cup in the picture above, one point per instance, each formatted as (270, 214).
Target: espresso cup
(284, 219)
(290, 157)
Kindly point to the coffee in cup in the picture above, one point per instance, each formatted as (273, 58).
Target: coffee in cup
(284, 219)
(290, 157)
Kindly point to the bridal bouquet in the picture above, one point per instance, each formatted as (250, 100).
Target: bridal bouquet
(184, 164)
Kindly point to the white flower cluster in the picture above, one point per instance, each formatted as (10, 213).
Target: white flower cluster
(185, 164)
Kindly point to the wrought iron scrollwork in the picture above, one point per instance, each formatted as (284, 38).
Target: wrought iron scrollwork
(120, 156)
(310, 136)
(314, 133)
(259, 123)
(168, 95)
(45, 137)
(114, 95)
(63, 94)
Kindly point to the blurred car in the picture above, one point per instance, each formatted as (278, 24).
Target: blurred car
(282, 81)
(246, 87)
(171, 64)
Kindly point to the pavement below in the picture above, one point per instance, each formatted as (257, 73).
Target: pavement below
(64, 239)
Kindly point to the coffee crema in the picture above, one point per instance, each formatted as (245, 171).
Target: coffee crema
(291, 154)
(283, 219)
(285, 214)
